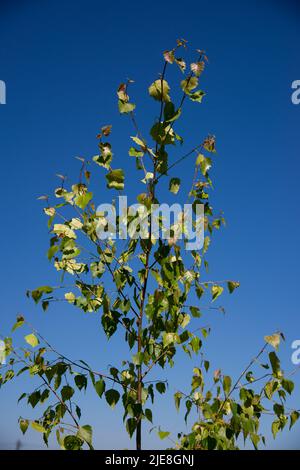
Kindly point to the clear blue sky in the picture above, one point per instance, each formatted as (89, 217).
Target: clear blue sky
(62, 62)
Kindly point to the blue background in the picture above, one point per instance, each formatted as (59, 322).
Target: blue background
(62, 62)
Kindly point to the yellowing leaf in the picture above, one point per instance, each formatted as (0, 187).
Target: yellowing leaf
(174, 185)
(138, 141)
(49, 211)
(204, 163)
(32, 340)
(64, 231)
(197, 68)
(189, 84)
(169, 56)
(159, 90)
(148, 176)
(70, 266)
(232, 285)
(37, 427)
(106, 130)
(126, 107)
(273, 340)
(70, 297)
(76, 224)
(169, 338)
(181, 64)
(216, 292)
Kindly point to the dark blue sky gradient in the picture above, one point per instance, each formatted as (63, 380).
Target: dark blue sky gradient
(62, 62)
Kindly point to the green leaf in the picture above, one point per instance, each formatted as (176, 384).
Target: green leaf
(37, 294)
(34, 398)
(204, 163)
(183, 337)
(37, 427)
(105, 157)
(23, 394)
(20, 322)
(275, 363)
(255, 438)
(226, 384)
(278, 409)
(195, 344)
(24, 423)
(162, 134)
(32, 340)
(197, 96)
(138, 358)
(82, 200)
(100, 387)
(274, 340)
(163, 434)
(294, 416)
(131, 426)
(86, 434)
(67, 392)
(288, 385)
(133, 152)
(170, 115)
(45, 395)
(275, 427)
(159, 90)
(45, 305)
(269, 389)
(206, 245)
(177, 399)
(78, 411)
(232, 286)
(249, 376)
(80, 381)
(115, 179)
(199, 292)
(112, 397)
(195, 311)
(52, 251)
(161, 387)
(174, 185)
(72, 443)
(148, 414)
(216, 292)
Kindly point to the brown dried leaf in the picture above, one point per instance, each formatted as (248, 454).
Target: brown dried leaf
(197, 68)
(106, 130)
(169, 56)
